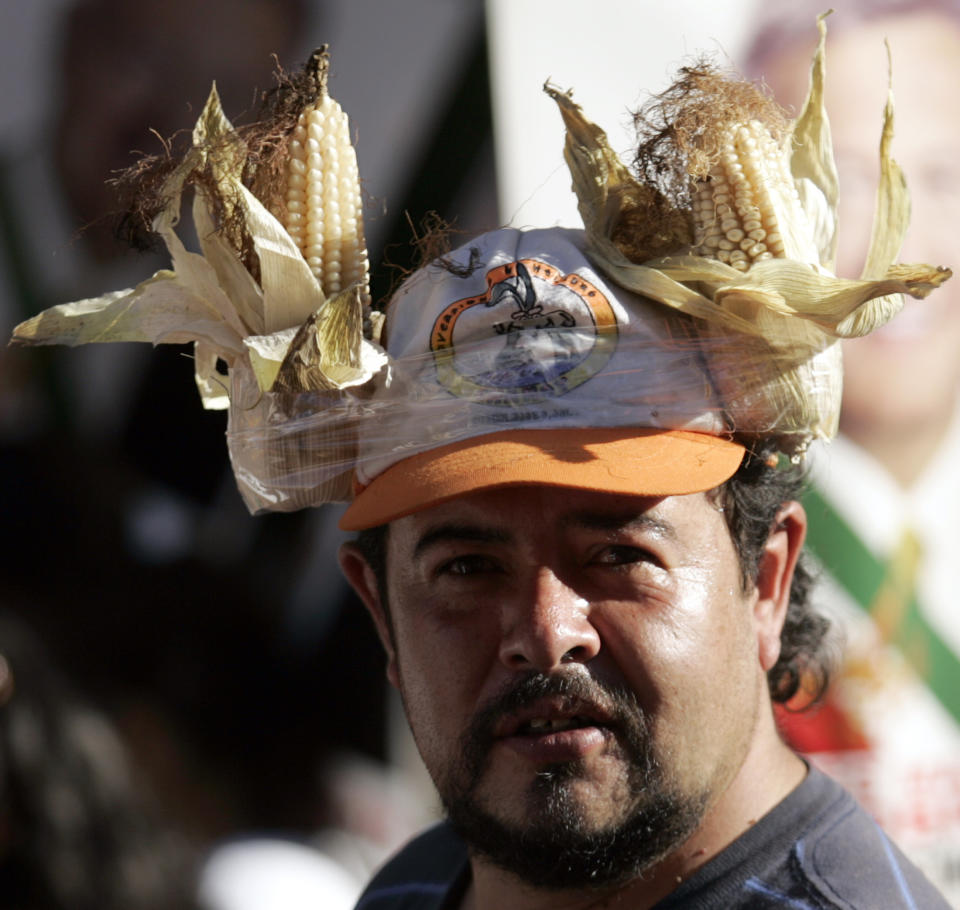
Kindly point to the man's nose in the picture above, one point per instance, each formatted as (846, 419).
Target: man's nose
(545, 625)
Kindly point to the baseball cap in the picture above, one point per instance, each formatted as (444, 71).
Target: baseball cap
(514, 361)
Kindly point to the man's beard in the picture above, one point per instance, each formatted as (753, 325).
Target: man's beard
(559, 847)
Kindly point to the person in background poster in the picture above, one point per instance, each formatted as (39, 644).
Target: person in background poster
(882, 508)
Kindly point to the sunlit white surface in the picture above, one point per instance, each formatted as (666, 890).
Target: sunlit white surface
(612, 53)
(259, 873)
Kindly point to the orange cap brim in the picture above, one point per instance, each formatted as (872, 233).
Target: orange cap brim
(628, 460)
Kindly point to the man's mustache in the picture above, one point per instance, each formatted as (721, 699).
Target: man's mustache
(618, 706)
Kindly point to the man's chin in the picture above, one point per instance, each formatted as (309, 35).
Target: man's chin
(593, 792)
(562, 841)
(596, 820)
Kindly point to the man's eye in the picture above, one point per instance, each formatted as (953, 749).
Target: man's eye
(472, 564)
(623, 555)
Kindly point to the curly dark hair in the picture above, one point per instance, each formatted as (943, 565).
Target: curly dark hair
(751, 501)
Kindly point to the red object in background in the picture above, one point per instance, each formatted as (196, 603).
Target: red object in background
(824, 728)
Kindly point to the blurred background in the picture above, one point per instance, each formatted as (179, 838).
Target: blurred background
(201, 673)
(224, 652)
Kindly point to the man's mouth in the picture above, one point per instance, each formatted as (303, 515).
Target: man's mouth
(549, 714)
(539, 725)
(554, 730)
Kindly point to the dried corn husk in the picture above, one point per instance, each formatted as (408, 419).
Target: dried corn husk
(272, 328)
(278, 444)
(783, 316)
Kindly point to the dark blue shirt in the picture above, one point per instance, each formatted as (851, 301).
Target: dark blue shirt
(816, 850)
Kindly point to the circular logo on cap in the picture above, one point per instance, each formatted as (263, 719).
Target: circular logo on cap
(534, 332)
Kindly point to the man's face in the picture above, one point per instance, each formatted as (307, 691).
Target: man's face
(579, 670)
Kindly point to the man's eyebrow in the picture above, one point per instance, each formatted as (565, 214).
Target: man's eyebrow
(453, 531)
(621, 521)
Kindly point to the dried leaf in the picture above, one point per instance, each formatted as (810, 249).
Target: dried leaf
(839, 307)
(613, 204)
(162, 309)
(199, 278)
(211, 383)
(266, 353)
(892, 212)
(329, 351)
(290, 292)
(237, 283)
(812, 163)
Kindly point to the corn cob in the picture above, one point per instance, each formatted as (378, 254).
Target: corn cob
(748, 208)
(323, 208)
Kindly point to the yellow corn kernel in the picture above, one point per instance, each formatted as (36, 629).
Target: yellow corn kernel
(748, 208)
(323, 203)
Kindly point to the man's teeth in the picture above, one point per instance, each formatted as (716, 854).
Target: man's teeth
(548, 725)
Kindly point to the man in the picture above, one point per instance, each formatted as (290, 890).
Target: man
(576, 543)
(588, 625)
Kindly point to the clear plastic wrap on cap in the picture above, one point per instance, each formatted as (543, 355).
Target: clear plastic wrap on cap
(516, 331)
(513, 338)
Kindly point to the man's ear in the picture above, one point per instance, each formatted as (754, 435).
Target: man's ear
(774, 577)
(363, 580)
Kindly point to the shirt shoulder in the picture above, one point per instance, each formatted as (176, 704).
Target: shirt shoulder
(816, 850)
(850, 862)
(429, 873)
